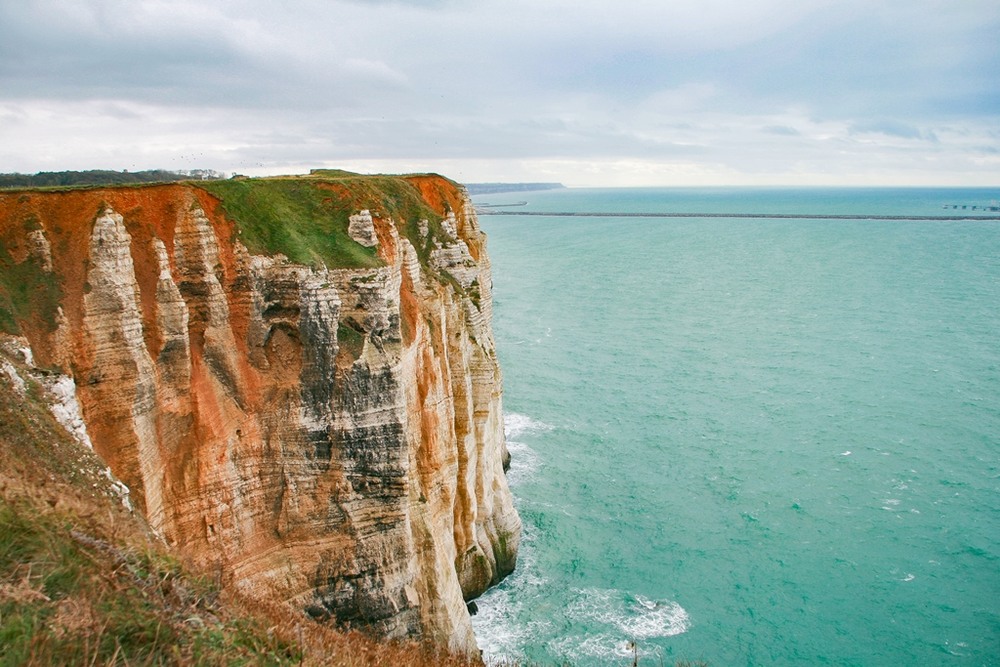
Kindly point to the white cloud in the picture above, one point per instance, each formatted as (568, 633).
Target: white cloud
(716, 90)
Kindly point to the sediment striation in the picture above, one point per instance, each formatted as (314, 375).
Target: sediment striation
(295, 378)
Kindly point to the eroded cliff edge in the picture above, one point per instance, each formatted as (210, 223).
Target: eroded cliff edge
(296, 379)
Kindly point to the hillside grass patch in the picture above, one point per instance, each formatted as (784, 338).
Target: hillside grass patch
(306, 218)
(27, 293)
(292, 217)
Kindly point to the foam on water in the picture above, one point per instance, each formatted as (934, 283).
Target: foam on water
(586, 648)
(515, 425)
(617, 623)
(635, 617)
(611, 622)
(499, 633)
(524, 460)
(524, 463)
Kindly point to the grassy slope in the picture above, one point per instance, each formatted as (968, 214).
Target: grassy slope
(306, 217)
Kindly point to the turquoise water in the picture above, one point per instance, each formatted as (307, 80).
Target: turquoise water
(750, 442)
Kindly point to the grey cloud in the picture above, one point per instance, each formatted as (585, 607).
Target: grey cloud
(848, 63)
(470, 138)
(887, 127)
(892, 128)
(841, 60)
(714, 81)
(781, 130)
(92, 59)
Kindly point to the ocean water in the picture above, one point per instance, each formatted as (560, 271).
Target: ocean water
(750, 441)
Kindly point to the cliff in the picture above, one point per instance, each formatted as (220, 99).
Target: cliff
(295, 378)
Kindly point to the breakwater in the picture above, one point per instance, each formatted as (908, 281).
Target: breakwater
(768, 216)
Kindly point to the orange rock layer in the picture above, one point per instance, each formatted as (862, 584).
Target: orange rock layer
(329, 437)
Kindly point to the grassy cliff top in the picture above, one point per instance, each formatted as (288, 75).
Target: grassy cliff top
(306, 218)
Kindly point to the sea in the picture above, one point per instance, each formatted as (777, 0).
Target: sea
(749, 441)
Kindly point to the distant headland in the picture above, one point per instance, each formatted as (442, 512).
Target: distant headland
(495, 188)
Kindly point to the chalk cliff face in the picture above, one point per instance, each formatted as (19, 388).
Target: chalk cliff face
(324, 432)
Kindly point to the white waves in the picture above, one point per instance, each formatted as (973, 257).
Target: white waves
(515, 425)
(617, 624)
(634, 617)
(500, 629)
(524, 461)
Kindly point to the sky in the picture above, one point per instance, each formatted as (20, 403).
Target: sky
(622, 93)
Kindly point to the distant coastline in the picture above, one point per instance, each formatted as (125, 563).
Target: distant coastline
(496, 188)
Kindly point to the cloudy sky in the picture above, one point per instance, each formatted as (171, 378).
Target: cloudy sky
(623, 92)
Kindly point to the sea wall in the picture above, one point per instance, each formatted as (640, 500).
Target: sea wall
(324, 430)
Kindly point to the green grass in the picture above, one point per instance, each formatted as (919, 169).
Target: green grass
(475, 294)
(26, 293)
(97, 178)
(351, 341)
(333, 173)
(293, 217)
(305, 218)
